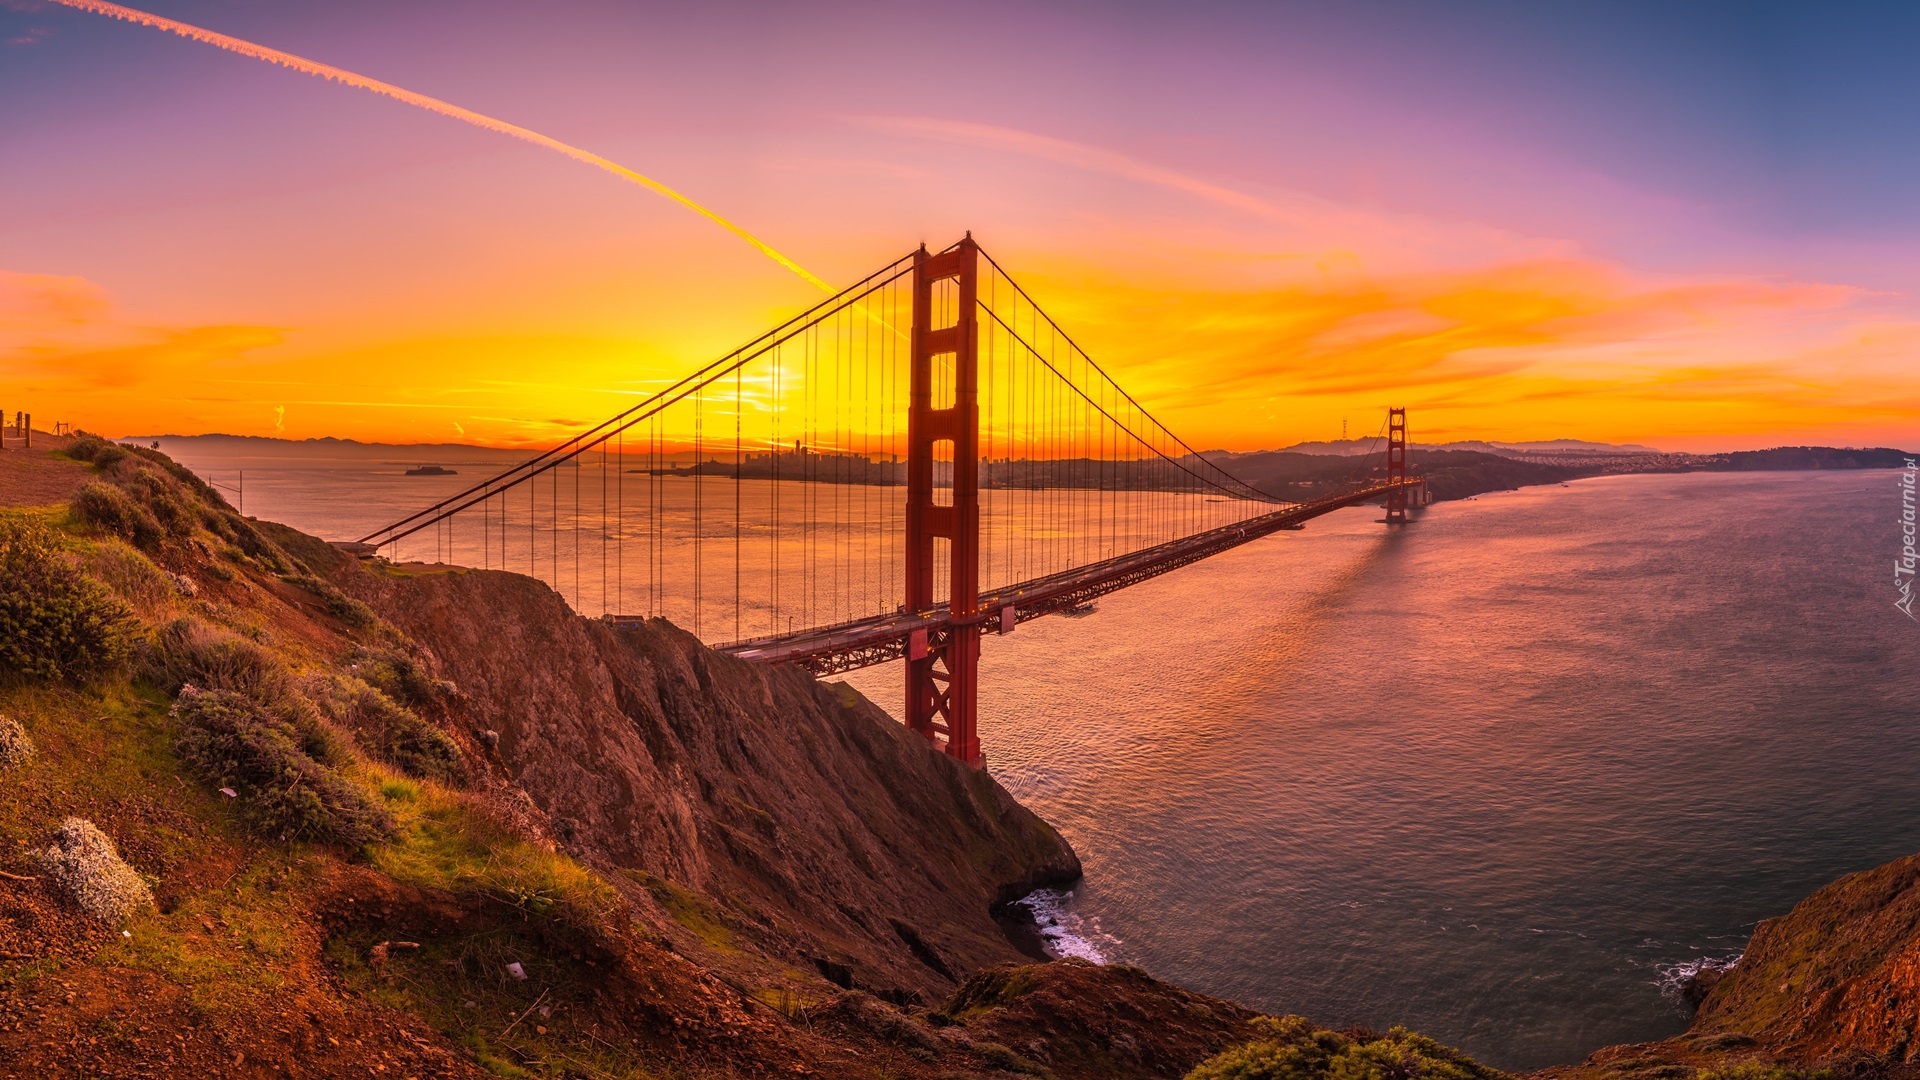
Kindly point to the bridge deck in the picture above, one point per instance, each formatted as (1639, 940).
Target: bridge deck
(876, 640)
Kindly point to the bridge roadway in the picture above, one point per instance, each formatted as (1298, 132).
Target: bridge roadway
(825, 650)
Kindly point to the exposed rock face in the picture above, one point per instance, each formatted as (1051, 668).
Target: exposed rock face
(1838, 975)
(1082, 1020)
(838, 840)
(1834, 983)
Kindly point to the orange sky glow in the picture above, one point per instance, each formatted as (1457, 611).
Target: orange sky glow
(301, 258)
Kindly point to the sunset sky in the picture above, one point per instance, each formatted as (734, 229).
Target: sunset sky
(1686, 225)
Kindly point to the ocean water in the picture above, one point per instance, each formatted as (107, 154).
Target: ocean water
(1493, 776)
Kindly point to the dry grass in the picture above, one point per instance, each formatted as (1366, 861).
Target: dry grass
(132, 575)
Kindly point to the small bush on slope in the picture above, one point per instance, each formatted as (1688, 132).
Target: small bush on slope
(95, 449)
(54, 621)
(398, 675)
(339, 604)
(85, 865)
(233, 742)
(111, 510)
(15, 745)
(188, 652)
(170, 503)
(396, 733)
(130, 574)
(1291, 1048)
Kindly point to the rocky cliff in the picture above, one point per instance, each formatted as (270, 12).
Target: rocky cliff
(1838, 977)
(1833, 985)
(827, 837)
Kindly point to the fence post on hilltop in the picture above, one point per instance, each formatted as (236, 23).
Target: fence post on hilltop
(943, 665)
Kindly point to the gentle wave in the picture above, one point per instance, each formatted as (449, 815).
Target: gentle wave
(1675, 978)
(1065, 932)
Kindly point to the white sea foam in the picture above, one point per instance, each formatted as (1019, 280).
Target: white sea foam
(1675, 978)
(1064, 931)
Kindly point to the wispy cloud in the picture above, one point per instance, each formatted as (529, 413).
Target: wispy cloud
(1332, 232)
(434, 105)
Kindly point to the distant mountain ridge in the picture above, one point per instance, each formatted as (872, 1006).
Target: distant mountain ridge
(268, 446)
(1372, 445)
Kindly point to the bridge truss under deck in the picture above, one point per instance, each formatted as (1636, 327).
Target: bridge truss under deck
(828, 650)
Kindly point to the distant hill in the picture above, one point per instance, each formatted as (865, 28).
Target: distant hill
(1452, 474)
(1353, 447)
(1782, 458)
(264, 446)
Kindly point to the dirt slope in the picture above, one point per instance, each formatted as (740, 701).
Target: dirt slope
(826, 830)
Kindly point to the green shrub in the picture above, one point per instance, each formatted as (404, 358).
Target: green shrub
(1291, 1048)
(230, 741)
(351, 611)
(188, 652)
(398, 675)
(259, 547)
(171, 505)
(339, 604)
(54, 621)
(97, 450)
(396, 733)
(112, 510)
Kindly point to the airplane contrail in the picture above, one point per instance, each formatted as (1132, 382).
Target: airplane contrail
(480, 120)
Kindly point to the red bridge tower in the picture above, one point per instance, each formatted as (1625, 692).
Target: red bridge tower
(943, 406)
(1397, 466)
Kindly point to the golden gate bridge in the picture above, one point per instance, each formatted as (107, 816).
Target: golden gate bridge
(920, 460)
